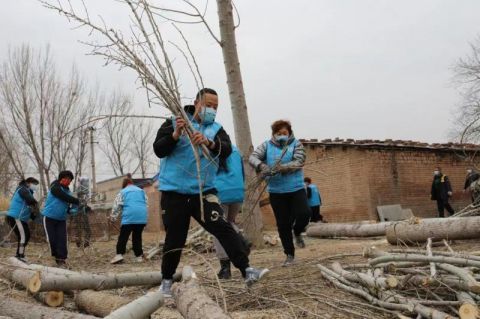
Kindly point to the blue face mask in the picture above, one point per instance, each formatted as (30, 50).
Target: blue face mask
(207, 115)
(282, 139)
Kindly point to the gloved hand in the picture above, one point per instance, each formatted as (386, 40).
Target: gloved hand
(282, 169)
(113, 219)
(34, 211)
(265, 170)
(73, 211)
(450, 193)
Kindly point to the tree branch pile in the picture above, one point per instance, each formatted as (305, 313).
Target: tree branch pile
(424, 283)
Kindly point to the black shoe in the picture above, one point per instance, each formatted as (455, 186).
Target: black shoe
(299, 241)
(224, 272)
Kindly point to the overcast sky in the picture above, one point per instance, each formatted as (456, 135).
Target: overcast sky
(370, 69)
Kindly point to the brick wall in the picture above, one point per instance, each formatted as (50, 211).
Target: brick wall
(354, 180)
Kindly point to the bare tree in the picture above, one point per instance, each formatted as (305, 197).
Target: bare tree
(40, 111)
(142, 135)
(467, 76)
(116, 134)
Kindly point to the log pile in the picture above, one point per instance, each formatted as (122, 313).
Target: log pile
(423, 283)
(48, 284)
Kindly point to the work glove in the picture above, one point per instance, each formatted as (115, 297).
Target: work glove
(34, 211)
(73, 211)
(265, 170)
(113, 219)
(450, 194)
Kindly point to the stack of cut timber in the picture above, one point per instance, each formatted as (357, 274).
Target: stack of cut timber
(423, 283)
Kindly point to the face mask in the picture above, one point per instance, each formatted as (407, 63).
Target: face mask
(207, 115)
(282, 139)
(65, 182)
(436, 173)
(469, 171)
(33, 187)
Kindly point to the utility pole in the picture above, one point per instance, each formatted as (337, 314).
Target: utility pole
(92, 161)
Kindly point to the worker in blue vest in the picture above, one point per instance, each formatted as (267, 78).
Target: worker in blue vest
(58, 206)
(314, 200)
(132, 203)
(280, 161)
(179, 183)
(229, 183)
(23, 207)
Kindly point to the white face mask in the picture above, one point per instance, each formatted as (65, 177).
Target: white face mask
(33, 187)
(436, 173)
(469, 171)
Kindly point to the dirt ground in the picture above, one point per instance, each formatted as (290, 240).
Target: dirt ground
(298, 291)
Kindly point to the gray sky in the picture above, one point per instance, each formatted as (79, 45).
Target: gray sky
(339, 68)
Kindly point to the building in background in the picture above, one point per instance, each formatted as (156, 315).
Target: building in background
(356, 176)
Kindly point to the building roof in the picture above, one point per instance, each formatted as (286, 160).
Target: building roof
(389, 143)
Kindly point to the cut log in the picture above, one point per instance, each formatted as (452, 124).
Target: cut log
(192, 301)
(57, 282)
(98, 303)
(22, 310)
(435, 228)
(365, 279)
(469, 308)
(20, 264)
(29, 279)
(50, 298)
(329, 230)
(140, 308)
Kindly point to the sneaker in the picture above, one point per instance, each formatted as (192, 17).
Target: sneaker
(166, 288)
(253, 275)
(117, 259)
(290, 260)
(139, 259)
(22, 259)
(299, 241)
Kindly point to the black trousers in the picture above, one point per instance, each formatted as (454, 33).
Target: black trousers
(291, 213)
(136, 230)
(315, 214)
(177, 210)
(442, 205)
(22, 232)
(56, 231)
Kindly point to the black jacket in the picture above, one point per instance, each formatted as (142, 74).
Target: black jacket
(165, 144)
(59, 191)
(26, 194)
(440, 188)
(471, 177)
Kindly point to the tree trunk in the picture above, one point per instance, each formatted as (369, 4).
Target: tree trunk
(348, 230)
(97, 303)
(253, 223)
(58, 282)
(435, 228)
(28, 279)
(140, 308)
(22, 310)
(192, 301)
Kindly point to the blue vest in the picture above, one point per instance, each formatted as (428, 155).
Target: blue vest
(178, 171)
(283, 183)
(18, 207)
(56, 208)
(314, 200)
(134, 209)
(230, 182)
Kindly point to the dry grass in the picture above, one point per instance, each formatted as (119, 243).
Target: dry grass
(294, 292)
